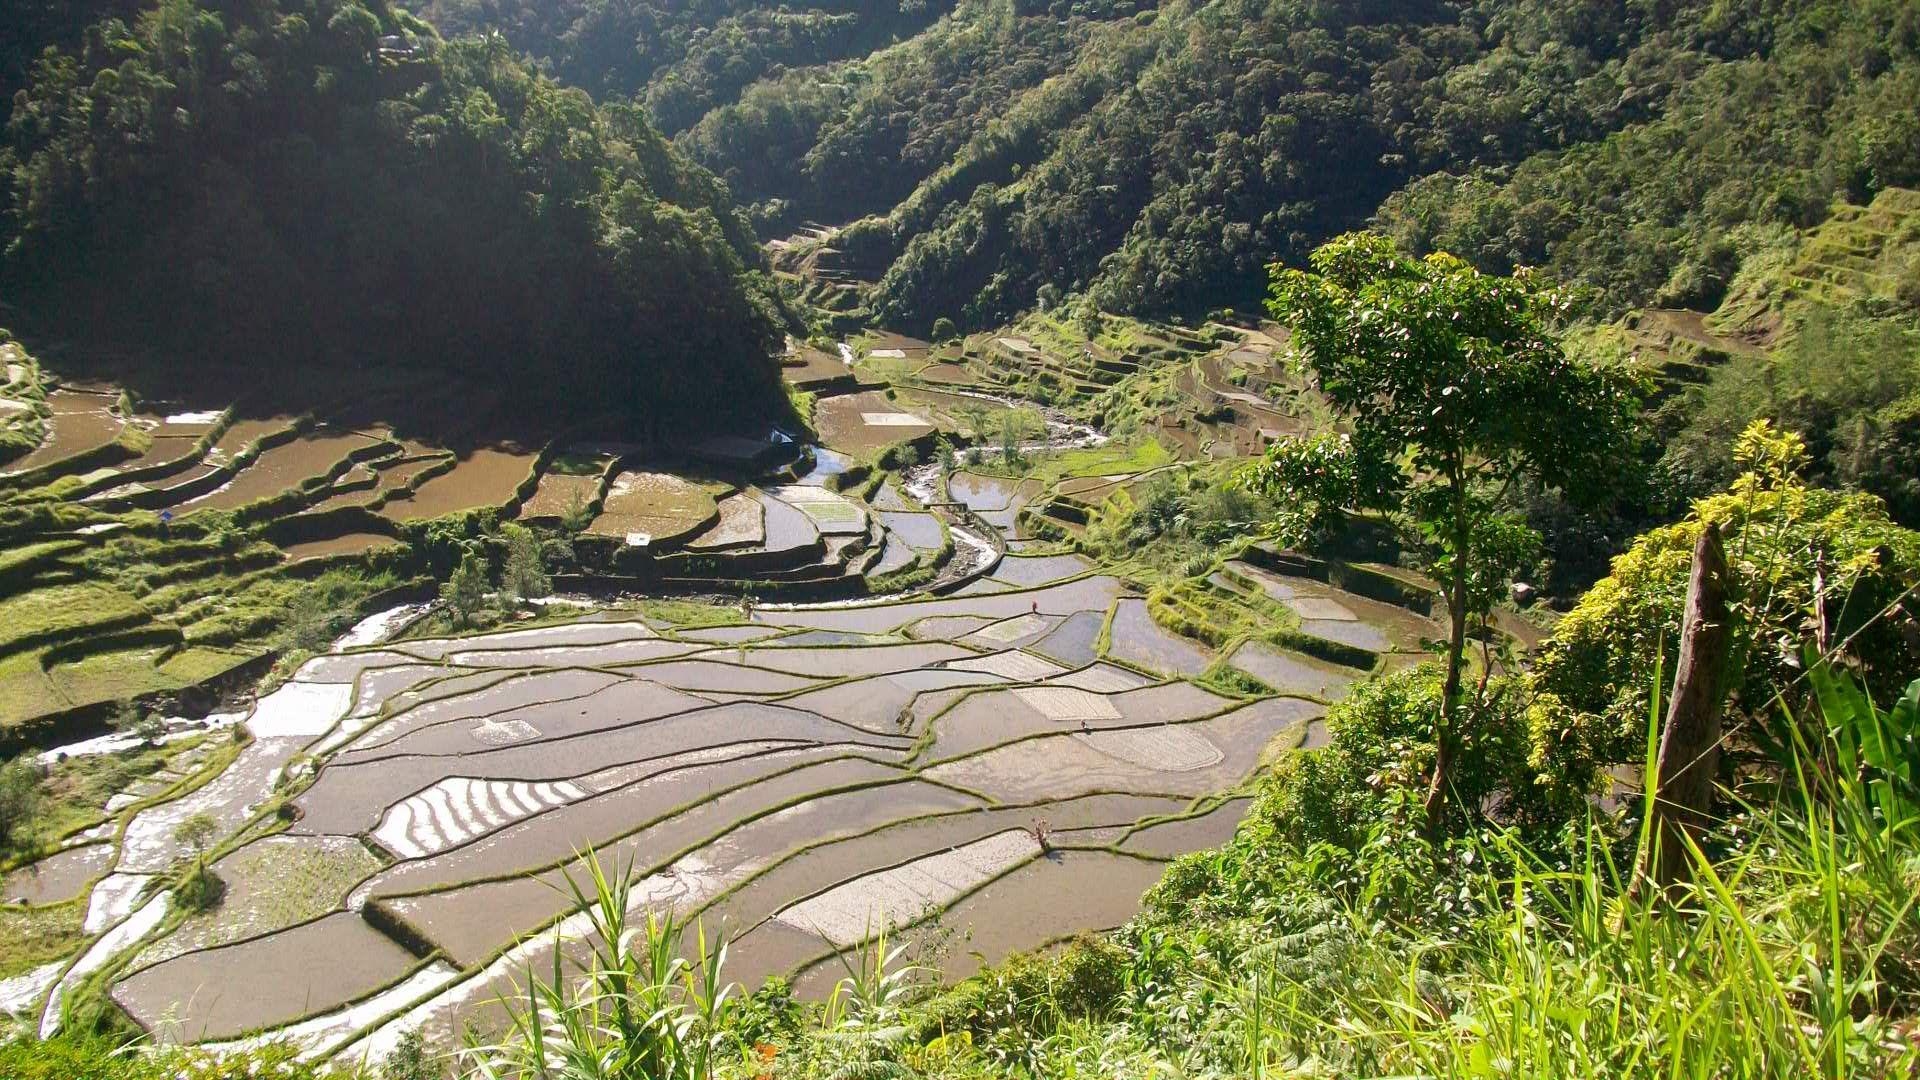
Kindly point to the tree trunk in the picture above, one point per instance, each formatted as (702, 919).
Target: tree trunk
(1443, 729)
(1444, 735)
(1689, 758)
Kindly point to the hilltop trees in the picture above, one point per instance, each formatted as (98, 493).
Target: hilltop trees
(311, 195)
(1451, 386)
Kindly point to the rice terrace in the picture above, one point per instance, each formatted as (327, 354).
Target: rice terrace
(807, 696)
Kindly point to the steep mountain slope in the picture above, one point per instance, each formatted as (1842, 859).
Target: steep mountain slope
(1157, 156)
(1182, 151)
(683, 57)
(325, 184)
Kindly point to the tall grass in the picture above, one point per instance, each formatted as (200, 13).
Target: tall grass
(1791, 953)
(635, 1008)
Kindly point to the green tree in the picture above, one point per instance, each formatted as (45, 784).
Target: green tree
(526, 571)
(1013, 428)
(20, 800)
(198, 888)
(198, 833)
(976, 416)
(466, 591)
(1450, 385)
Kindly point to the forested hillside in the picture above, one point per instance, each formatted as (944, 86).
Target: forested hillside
(683, 57)
(325, 182)
(1157, 157)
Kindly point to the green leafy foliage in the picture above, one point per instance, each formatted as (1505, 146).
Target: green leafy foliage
(681, 59)
(1767, 115)
(21, 797)
(1806, 563)
(325, 606)
(643, 1009)
(1847, 381)
(1330, 937)
(411, 1060)
(525, 574)
(465, 593)
(75, 1058)
(1450, 386)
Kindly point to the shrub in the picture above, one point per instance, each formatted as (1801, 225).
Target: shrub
(466, 591)
(85, 1058)
(1801, 559)
(525, 575)
(20, 800)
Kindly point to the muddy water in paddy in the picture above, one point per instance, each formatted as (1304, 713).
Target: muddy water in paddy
(944, 371)
(786, 527)
(1074, 642)
(1050, 898)
(1038, 570)
(659, 506)
(1138, 639)
(922, 531)
(81, 422)
(58, 877)
(165, 449)
(638, 740)
(345, 544)
(282, 469)
(389, 476)
(895, 555)
(266, 981)
(241, 434)
(1171, 839)
(483, 478)
(1084, 594)
(948, 627)
(862, 423)
(1291, 672)
(986, 493)
(471, 922)
(612, 654)
(559, 493)
(777, 948)
(741, 524)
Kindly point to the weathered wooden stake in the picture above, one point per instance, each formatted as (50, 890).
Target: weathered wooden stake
(1689, 758)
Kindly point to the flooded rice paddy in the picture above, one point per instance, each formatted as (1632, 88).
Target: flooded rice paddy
(1001, 761)
(285, 467)
(945, 766)
(352, 543)
(81, 421)
(867, 422)
(653, 507)
(484, 477)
